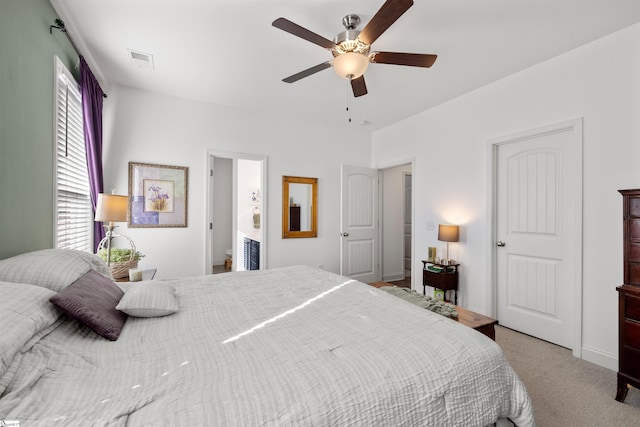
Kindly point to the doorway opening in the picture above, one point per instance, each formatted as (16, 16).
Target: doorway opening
(236, 220)
(222, 233)
(396, 227)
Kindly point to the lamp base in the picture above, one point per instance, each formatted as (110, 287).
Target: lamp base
(109, 236)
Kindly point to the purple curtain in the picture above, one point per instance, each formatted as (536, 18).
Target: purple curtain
(92, 97)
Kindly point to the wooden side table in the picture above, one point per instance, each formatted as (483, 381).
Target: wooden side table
(447, 279)
(479, 322)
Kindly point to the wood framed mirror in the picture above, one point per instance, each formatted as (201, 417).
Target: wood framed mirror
(299, 207)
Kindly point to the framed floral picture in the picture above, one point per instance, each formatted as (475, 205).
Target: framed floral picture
(157, 195)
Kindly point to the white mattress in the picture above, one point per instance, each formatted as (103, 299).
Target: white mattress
(284, 347)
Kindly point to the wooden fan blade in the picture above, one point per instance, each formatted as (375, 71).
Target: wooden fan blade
(303, 33)
(398, 58)
(307, 72)
(390, 11)
(359, 86)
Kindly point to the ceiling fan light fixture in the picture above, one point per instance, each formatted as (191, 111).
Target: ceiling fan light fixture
(350, 65)
(351, 48)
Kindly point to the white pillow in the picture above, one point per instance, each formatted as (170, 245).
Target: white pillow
(149, 299)
(53, 269)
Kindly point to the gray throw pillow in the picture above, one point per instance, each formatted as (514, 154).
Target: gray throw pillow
(92, 300)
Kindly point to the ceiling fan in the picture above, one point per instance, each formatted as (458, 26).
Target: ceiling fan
(351, 48)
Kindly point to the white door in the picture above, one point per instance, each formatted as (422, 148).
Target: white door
(538, 232)
(359, 224)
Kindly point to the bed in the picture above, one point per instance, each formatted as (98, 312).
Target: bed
(289, 346)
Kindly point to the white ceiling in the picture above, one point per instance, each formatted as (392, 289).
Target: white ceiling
(226, 52)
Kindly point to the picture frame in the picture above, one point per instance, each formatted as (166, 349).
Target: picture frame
(158, 195)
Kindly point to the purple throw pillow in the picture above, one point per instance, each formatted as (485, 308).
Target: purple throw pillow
(92, 300)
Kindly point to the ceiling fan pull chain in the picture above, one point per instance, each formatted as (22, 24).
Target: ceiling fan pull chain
(349, 101)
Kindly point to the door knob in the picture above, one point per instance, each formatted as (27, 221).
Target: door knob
(500, 243)
(344, 234)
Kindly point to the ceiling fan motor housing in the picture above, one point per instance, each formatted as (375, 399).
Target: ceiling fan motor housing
(346, 36)
(347, 41)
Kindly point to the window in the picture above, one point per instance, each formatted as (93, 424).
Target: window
(73, 211)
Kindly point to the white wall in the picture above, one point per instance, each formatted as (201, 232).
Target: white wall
(152, 128)
(600, 82)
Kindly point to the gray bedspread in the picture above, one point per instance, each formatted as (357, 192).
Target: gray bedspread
(294, 346)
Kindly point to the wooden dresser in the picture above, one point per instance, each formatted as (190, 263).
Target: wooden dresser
(294, 218)
(629, 297)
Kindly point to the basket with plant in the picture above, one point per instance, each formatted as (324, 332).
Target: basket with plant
(122, 259)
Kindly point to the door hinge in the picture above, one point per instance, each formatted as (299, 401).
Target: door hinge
(210, 226)
(210, 172)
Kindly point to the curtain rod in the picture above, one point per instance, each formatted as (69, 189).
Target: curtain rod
(59, 25)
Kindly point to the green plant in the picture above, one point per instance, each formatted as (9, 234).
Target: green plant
(120, 255)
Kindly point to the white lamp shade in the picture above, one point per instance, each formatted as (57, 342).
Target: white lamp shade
(111, 208)
(350, 65)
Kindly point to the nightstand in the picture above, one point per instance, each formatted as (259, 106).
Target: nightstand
(440, 276)
(147, 274)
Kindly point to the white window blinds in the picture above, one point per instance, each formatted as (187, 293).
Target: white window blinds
(73, 211)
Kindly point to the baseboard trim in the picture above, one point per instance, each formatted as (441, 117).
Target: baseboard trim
(392, 278)
(599, 357)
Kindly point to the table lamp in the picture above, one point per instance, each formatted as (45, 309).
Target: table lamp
(448, 233)
(111, 208)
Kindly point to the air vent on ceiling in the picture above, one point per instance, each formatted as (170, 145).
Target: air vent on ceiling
(141, 59)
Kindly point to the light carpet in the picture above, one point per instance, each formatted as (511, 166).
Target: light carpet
(567, 391)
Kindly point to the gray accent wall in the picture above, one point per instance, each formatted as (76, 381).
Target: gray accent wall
(27, 53)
